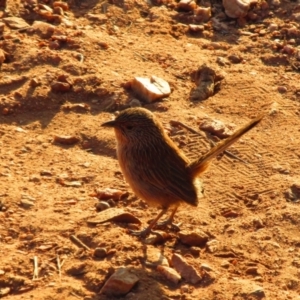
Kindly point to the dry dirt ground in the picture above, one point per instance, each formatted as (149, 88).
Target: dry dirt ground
(250, 207)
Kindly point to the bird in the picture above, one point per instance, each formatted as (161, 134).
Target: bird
(157, 171)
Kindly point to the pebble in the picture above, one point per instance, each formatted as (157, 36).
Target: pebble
(26, 203)
(65, 139)
(78, 269)
(196, 238)
(150, 89)
(236, 8)
(102, 205)
(212, 246)
(258, 223)
(15, 23)
(100, 252)
(60, 87)
(169, 273)
(108, 193)
(155, 258)
(282, 89)
(135, 103)
(188, 272)
(43, 29)
(120, 283)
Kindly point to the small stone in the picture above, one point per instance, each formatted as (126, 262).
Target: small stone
(135, 103)
(100, 252)
(202, 14)
(237, 8)
(65, 139)
(26, 203)
(16, 23)
(196, 28)
(212, 246)
(196, 238)
(252, 271)
(34, 82)
(235, 59)
(169, 273)
(187, 271)
(78, 269)
(206, 267)
(282, 89)
(102, 205)
(108, 193)
(217, 128)
(150, 89)
(46, 173)
(120, 283)
(60, 87)
(187, 5)
(225, 264)
(155, 257)
(258, 223)
(43, 29)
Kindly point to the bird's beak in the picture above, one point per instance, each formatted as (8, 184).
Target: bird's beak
(112, 123)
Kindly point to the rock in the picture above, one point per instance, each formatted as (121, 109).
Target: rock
(26, 203)
(60, 87)
(217, 128)
(252, 271)
(202, 14)
(282, 89)
(212, 246)
(61, 4)
(65, 139)
(43, 29)
(120, 283)
(196, 238)
(101, 205)
(237, 8)
(186, 5)
(100, 252)
(135, 103)
(108, 193)
(235, 59)
(150, 89)
(258, 223)
(187, 271)
(158, 237)
(293, 193)
(155, 258)
(78, 269)
(247, 289)
(99, 18)
(206, 81)
(169, 273)
(114, 214)
(196, 28)
(15, 23)
(206, 267)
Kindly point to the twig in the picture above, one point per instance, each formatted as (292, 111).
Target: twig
(35, 270)
(59, 265)
(78, 242)
(141, 56)
(177, 123)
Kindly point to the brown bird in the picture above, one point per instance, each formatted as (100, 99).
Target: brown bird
(155, 168)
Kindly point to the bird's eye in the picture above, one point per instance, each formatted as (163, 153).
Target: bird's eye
(129, 127)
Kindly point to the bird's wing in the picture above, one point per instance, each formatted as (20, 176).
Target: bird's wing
(170, 177)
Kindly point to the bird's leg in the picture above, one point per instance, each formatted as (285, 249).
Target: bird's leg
(169, 221)
(143, 233)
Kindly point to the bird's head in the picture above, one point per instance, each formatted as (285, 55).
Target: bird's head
(133, 124)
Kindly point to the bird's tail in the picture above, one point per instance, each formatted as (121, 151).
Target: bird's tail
(201, 164)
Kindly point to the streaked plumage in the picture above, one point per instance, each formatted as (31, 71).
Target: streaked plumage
(155, 168)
